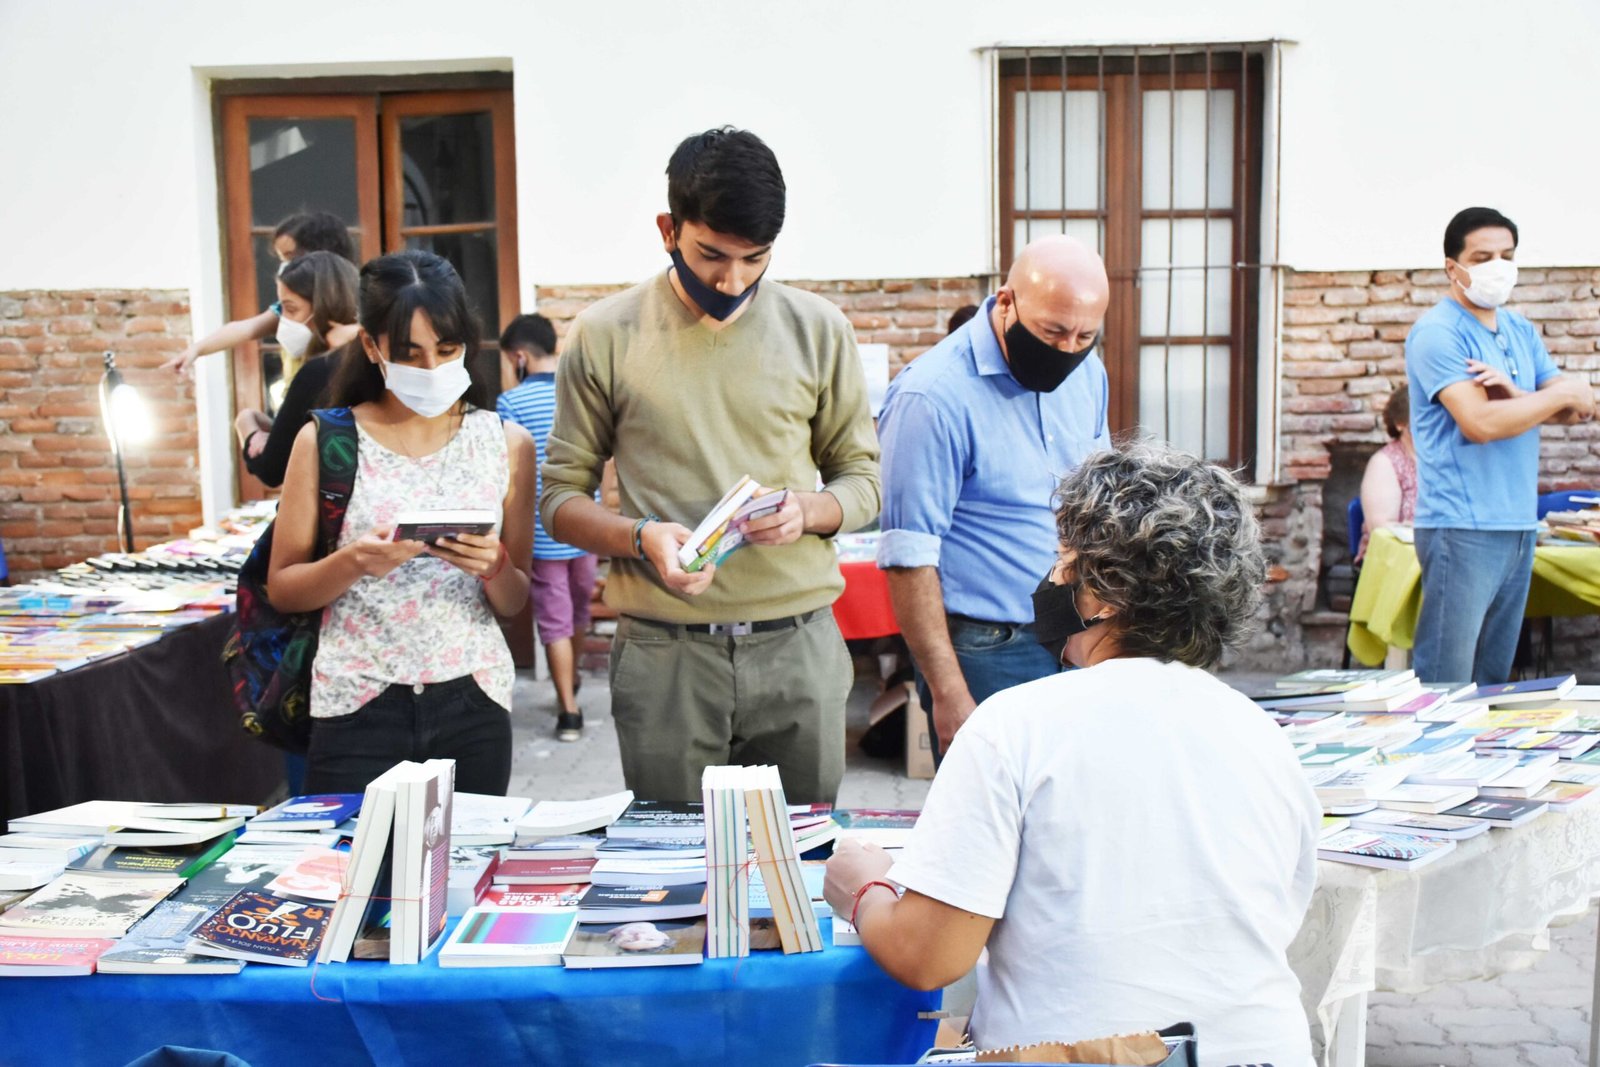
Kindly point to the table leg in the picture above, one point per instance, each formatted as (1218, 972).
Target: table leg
(1347, 1045)
(1594, 1008)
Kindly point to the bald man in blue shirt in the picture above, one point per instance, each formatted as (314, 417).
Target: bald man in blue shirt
(976, 435)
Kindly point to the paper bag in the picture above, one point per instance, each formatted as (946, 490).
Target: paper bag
(1142, 1050)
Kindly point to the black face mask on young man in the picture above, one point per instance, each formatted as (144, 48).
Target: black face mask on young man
(1056, 618)
(1034, 364)
(718, 305)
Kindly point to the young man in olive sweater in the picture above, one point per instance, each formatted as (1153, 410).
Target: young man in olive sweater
(690, 380)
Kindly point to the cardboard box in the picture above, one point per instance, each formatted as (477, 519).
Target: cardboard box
(919, 745)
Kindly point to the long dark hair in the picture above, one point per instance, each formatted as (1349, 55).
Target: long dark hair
(328, 283)
(393, 288)
(317, 231)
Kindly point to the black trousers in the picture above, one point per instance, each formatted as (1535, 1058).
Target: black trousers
(448, 720)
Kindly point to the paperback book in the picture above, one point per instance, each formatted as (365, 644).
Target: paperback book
(89, 905)
(1377, 848)
(260, 927)
(652, 818)
(319, 811)
(316, 876)
(1451, 827)
(181, 860)
(477, 819)
(559, 818)
(25, 956)
(1504, 813)
(620, 904)
(636, 944)
(159, 944)
(521, 872)
(509, 937)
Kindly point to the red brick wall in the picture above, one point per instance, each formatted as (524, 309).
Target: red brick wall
(907, 314)
(1344, 352)
(58, 486)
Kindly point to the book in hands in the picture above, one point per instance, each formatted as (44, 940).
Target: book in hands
(428, 526)
(722, 530)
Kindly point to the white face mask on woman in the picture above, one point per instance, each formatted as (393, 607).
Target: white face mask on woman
(1492, 283)
(427, 392)
(295, 337)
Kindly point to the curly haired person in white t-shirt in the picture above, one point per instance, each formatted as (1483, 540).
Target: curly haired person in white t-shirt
(1132, 842)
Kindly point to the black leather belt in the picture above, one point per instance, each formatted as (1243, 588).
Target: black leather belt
(735, 629)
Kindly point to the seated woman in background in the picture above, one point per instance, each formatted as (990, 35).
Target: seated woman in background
(1132, 842)
(317, 294)
(1389, 487)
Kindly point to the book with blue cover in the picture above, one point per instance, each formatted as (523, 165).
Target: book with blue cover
(261, 927)
(1553, 688)
(319, 811)
(1378, 848)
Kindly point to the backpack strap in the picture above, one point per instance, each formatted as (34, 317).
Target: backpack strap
(337, 448)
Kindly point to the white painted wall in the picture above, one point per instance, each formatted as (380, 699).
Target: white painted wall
(1394, 114)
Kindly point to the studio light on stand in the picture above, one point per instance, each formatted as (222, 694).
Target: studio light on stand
(127, 421)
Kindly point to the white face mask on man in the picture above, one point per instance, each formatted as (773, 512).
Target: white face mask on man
(295, 337)
(427, 392)
(1491, 282)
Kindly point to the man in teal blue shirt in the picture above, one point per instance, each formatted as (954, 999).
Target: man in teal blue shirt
(1482, 383)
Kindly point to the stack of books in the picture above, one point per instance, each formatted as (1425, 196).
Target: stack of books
(1434, 762)
(727, 863)
(398, 874)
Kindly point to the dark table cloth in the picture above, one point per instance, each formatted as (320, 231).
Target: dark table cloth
(155, 724)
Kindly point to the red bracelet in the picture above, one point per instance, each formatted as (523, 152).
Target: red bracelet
(500, 565)
(862, 892)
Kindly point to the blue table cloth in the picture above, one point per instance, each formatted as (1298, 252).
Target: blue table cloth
(834, 1005)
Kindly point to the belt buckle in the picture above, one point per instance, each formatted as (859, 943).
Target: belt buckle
(731, 629)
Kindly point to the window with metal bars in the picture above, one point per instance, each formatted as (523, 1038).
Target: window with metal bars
(1153, 156)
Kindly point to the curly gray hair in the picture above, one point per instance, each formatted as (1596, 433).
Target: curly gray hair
(1170, 542)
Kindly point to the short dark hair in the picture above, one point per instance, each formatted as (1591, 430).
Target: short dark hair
(529, 333)
(1469, 220)
(960, 316)
(729, 180)
(393, 288)
(318, 231)
(1397, 412)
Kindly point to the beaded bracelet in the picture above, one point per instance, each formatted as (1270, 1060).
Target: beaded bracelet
(862, 892)
(638, 535)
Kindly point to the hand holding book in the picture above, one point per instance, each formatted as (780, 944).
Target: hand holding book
(778, 521)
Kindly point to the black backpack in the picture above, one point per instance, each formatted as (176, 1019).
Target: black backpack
(268, 655)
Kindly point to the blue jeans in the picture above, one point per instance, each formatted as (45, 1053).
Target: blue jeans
(1474, 589)
(993, 656)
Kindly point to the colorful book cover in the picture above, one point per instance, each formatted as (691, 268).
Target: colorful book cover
(318, 811)
(542, 872)
(22, 955)
(636, 944)
(1395, 848)
(488, 937)
(316, 875)
(262, 928)
(1533, 718)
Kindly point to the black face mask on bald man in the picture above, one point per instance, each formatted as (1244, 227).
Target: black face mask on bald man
(1034, 364)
